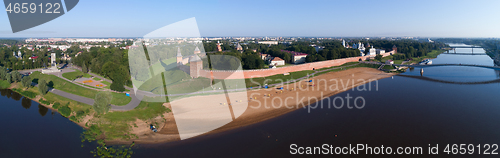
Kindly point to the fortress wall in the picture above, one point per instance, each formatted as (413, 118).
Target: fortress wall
(219, 74)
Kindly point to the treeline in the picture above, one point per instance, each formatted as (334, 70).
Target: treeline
(211, 46)
(409, 48)
(109, 62)
(14, 76)
(333, 49)
(332, 53)
(8, 60)
(231, 60)
(10, 42)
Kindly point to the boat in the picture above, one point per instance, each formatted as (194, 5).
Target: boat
(426, 62)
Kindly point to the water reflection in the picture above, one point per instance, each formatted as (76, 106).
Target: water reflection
(16, 96)
(6, 92)
(42, 110)
(26, 103)
(3, 92)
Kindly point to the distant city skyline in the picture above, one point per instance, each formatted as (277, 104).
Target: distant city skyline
(364, 18)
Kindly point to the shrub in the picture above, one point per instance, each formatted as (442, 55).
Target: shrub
(80, 113)
(116, 86)
(56, 105)
(28, 94)
(102, 102)
(65, 110)
(4, 84)
(73, 118)
(26, 81)
(44, 101)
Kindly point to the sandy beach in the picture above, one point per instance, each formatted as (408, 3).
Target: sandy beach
(263, 104)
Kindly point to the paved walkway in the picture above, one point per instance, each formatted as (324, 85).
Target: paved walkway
(131, 105)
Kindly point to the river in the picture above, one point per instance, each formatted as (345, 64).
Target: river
(403, 112)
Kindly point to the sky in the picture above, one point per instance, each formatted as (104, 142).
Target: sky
(286, 18)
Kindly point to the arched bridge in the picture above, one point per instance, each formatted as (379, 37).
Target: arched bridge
(450, 82)
(434, 65)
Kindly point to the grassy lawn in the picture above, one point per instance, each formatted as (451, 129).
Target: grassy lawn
(97, 79)
(388, 67)
(72, 88)
(119, 122)
(144, 111)
(432, 54)
(109, 84)
(106, 83)
(74, 74)
(174, 76)
(164, 65)
(346, 64)
(398, 61)
(254, 82)
(120, 99)
(74, 105)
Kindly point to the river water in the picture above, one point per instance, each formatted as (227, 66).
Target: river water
(403, 112)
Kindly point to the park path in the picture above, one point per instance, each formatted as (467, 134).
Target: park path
(131, 105)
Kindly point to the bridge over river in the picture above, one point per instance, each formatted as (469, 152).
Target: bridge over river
(434, 65)
(455, 51)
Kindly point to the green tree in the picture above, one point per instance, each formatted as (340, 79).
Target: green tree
(16, 76)
(84, 68)
(26, 82)
(310, 58)
(117, 86)
(102, 102)
(3, 73)
(378, 57)
(8, 78)
(42, 86)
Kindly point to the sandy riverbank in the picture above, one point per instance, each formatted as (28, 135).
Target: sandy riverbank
(261, 108)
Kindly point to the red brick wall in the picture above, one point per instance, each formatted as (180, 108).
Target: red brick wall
(269, 72)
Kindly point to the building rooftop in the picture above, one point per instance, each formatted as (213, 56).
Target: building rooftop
(277, 59)
(194, 58)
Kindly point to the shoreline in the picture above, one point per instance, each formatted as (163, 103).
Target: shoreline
(253, 115)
